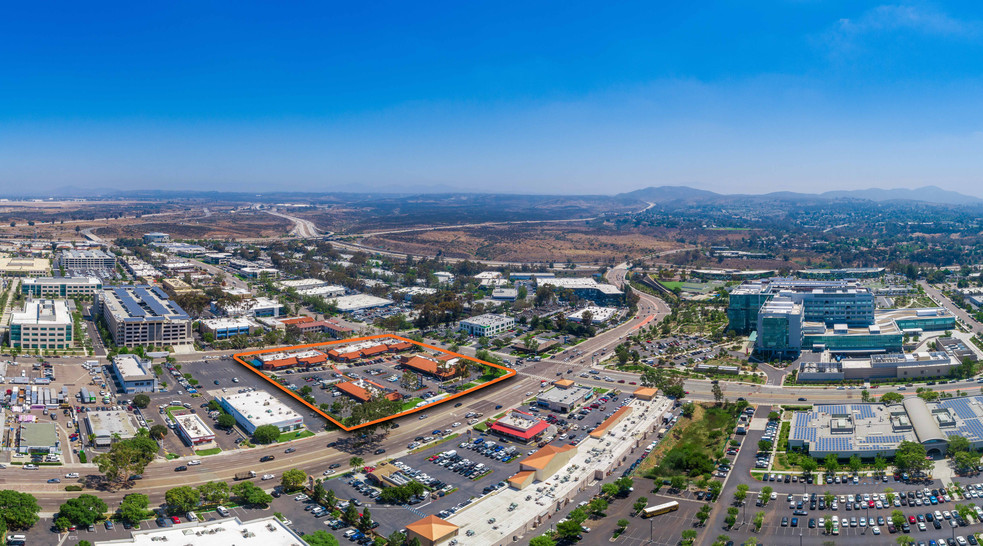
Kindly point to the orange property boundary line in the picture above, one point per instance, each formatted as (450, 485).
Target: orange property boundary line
(239, 358)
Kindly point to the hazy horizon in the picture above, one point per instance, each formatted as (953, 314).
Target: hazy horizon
(548, 98)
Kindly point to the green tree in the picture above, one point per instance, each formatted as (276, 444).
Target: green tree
(542, 541)
(364, 521)
(829, 497)
(320, 538)
(640, 504)
(226, 421)
(809, 465)
(731, 518)
(350, 514)
(689, 535)
(84, 543)
(677, 482)
(622, 523)
(63, 523)
(741, 493)
(718, 393)
(855, 464)
(609, 489)
(248, 493)
(182, 499)
(597, 506)
(764, 445)
(829, 525)
(624, 485)
(904, 540)
(214, 492)
(688, 410)
(910, 457)
(703, 514)
(865, 396)
(957, 444)
(18, 510)
(266, 434)
(293, 479)
(133, 508)
(898, 518)
(758, 521)
(714, 487)
(568, 530)
(157, 432)
(831, 463)
(126, 458)
(892, 398)
(141, 400)
(880, 464)
(766, 494)
(356, 462)
(83, 510)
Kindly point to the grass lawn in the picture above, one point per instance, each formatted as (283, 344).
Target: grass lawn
(481, 427)
(690, 446)
(411, 403)
(672, 284)
(174, 408)
(285, 436)
(206, 452)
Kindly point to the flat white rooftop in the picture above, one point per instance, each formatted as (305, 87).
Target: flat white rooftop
(261, 408)
(268, 531)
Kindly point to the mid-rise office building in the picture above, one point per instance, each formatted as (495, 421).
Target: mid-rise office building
(60, 287)
(586, 288)
(829, 302)
(42, 324)
(156, 237)
(24, 267)
(87, 260)
(487, 325)
(143, 315)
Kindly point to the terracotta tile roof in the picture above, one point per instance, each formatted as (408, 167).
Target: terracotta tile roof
(432, 528)
(610, 422)
(521, 476)
(541, 458)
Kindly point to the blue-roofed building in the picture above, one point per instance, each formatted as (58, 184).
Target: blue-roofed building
(143, 315)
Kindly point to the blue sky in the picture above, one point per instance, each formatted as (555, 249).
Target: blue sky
(542, 97)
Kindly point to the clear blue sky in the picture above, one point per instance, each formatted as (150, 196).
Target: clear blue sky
(545, 97)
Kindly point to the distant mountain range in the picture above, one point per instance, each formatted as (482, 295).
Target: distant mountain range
(926, 194)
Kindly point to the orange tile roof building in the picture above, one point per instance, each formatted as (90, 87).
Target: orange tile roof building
(645, 393)
(431, 531)
(279, 361)
(364, 390)
(355, 351)
(542, 464)
(610, 422)
(441, 370)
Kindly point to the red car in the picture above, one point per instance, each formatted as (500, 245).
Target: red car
(175, 519)
(632, 383)
(911, 520)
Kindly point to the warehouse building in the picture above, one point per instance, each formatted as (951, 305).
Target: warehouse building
(42, 324)
(487, 325)
(60, 287)
(359, 302)
(104, 426)
(143, 315)
(597, 314)
(134, 374)
(39, 438)
(256, 408)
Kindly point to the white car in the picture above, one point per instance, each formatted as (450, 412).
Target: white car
(876, 530)
(72, 475)
(268, 476)
(194, 462)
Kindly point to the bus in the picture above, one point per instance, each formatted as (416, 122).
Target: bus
(658, 509)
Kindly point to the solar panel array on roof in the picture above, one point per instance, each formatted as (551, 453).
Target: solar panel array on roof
(132, 307)
(826, 444)
(863, 411)
(160, 293)
(838, 409)
(155, 305)
(961, 406)
(807, 434)
(972, 429)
